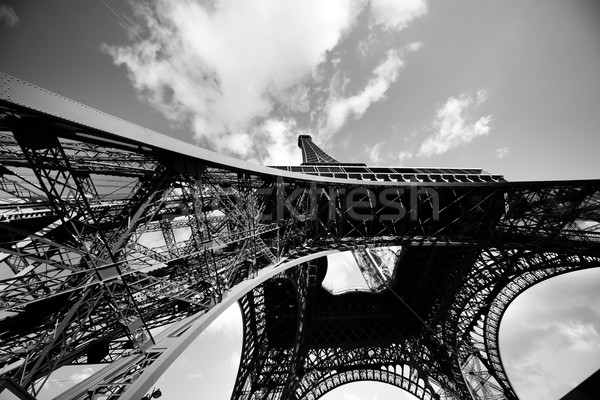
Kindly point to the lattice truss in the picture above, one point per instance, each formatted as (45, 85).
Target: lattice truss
(103, 239)
(457, 303)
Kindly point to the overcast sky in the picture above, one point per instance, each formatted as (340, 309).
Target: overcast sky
(510, 87)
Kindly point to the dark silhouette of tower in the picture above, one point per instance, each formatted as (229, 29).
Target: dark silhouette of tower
(311, 153)
(108, 230)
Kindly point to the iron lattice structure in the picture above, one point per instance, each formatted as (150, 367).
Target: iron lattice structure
(311, 153)
(108, 230)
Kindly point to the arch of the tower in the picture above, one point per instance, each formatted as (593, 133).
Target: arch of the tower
(532, 267)
(400, 376)
(544, 266)
(187, 331)
(485, 303)
(302, 341)
(407, 377)
(476, 339)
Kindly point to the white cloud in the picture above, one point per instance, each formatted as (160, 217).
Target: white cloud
(405, 156)
(8, 16)
(414, 46)
(501, 152)
(453, 126)
(215, 67)
(396, 15)
(482, 96)
(281, 139)
(83, 374)
(338, 267)
(227, 324)
(234, 360)
(343, 272)
(374, 152)
(230, 69)
(582, 336)
(383, 76)
(550, 335)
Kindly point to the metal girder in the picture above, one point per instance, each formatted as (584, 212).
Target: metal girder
(108, 230)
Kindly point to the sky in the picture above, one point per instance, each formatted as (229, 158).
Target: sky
(510, 87)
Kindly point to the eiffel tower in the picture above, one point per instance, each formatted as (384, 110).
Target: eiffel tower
(109, 230)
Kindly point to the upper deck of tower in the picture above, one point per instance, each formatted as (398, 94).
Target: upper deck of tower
(316, 162)
(311, 153)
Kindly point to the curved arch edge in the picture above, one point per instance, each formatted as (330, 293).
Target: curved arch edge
(175, 340)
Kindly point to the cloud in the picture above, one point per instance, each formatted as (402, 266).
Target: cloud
(405, 156)
(227, 324)
(532, 381)
(532, 357)
(338, 267)
(582, 337)
(8, 16)
(343, 273)
(374, 152)
(396, 15)
(215, 66)
(234, 360)
(550, 335)
(83, 374)
(281, 138)
(482, 96)
(550, 320)
(453, 126)
(501, 152)
(386, 73)
(243, 74)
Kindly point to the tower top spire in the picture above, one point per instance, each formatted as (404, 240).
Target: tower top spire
(311, 153)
